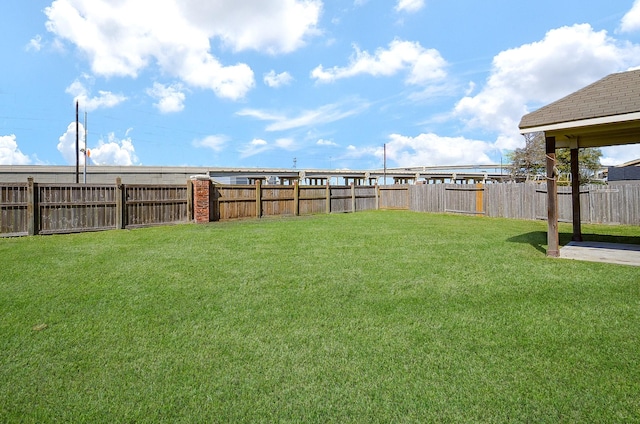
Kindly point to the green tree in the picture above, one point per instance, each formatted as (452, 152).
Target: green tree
(588, 163)
(529, 162)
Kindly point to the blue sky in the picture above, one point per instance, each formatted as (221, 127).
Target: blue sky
(318, 83)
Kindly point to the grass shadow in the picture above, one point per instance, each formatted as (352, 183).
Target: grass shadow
(538, 239)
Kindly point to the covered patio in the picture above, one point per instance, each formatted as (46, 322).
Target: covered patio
(605, 113)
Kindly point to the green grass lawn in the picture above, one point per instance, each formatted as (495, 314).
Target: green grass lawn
(371, 317)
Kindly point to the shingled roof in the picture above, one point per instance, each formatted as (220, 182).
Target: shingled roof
(612, 101)
(615, 94)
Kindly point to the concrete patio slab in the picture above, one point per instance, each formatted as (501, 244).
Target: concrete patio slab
(625, 254)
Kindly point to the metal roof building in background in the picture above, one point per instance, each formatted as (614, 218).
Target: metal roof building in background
(179, 175)
(99, 174)
(626, 173)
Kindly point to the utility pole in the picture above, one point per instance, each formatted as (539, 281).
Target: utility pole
(85, 147)
(77, 146)
(295, 162)
(384, 182)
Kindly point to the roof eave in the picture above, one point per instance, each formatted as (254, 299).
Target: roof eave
(584, 123)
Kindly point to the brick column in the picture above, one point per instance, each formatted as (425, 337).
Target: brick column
(201, 192)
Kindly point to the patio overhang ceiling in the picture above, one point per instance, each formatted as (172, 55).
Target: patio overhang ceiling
(594, 132)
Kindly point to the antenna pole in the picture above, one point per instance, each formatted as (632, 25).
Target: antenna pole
(85, 147)
(77, 146)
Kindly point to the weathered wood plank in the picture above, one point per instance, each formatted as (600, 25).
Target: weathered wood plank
(395, 196)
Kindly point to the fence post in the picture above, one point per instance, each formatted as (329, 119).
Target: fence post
(376, 189)
(214, 211)
(480, 198)
(121, 205)
(189, 200)
(353, 197)
(32, 207)
(258, 198)
(328, 192)
(201, 203)
(296, 198)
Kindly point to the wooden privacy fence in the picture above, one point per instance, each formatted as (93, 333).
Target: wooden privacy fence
(31, 208)
(14, 202)
(599, 204)
(243, 201)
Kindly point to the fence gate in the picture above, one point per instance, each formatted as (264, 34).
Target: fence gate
(464, 199)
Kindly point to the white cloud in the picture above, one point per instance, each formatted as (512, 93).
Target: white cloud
(470, 89)
(617, 155)
(322, 115)
(213, 142)
(255, 147)
(105, 99)
(261, 115)
(258, 145)
(274, 26)
(365, 156)
(110, 152)
(122, 38)
(323, 142)
(277, 80)
(229, 82)
(566, 60)
(35, 44)
(258, 142)
(67, 143)
(114, 151)
(10, 154)
(431, 149)
(631, 20)
(424, 65)
(409, 5)
(170, 97)
(286, 143)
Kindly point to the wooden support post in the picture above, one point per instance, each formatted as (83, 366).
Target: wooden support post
(353, 197)
(214, 205)
(553, 249)
(376, 189)
(296, 198)
(189, 200)
(575, 195)
(258, 198)
(32, 208)
(121, 205)
(328, 202)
